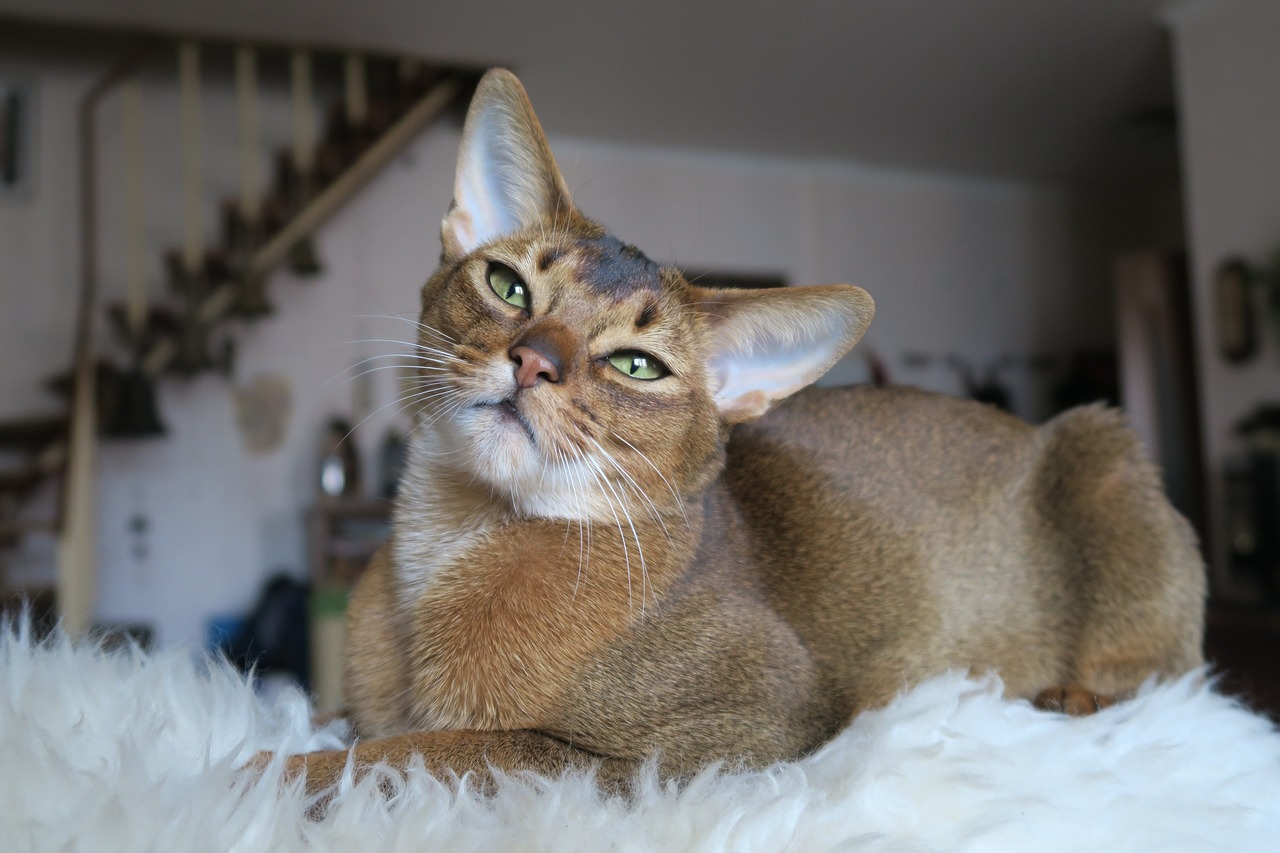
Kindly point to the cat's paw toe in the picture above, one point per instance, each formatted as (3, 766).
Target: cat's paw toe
(1074, 700)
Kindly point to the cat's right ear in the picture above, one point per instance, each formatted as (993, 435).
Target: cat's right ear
(507, 179)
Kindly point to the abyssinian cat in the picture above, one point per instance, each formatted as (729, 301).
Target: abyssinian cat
(628, 529)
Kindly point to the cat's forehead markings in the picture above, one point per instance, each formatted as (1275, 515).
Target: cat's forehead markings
(647, 314)
(554, 302)
(547, 257)
(615, 268)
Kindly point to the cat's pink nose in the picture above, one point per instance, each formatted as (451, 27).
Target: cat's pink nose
(532, 365)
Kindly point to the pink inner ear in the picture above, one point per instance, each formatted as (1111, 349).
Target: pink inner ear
(507, 179)
(764, 352)
(486, 192)
(767, 371)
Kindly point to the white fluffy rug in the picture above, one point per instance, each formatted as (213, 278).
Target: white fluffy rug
(134, 752)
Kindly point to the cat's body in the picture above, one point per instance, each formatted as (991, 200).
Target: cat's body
(616, 539)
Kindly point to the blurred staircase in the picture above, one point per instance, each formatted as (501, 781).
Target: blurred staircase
(34, 454)
(382, 105)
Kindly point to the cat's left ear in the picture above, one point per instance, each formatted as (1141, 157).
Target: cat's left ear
(506, 179)
(767, 344)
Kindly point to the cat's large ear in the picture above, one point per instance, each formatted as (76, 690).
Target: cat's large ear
(767, 344)
(507, 179)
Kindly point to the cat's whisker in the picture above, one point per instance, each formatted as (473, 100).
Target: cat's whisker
(658, 471)
(427, 384)
(404, 361)
(439, 357)
(415, 403)
(542, 475)
(447, 355)
(635, 487)
(399, 343)
(447, 411)
(407, 363)
(622, 505)
(415, 382)
(578, 491)
(424, 395)
(369, 371)
(430, 380)
(401, 346)
(422, 420)
(697, 277)
(598, 477)
(568, 521)
(581, 497)
(412, 321)
(395, 401)
(562, 462)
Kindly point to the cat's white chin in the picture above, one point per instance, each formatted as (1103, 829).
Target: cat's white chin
(500, 448)
(497, 442)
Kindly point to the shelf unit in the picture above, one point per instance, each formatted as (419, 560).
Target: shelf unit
(342, 535)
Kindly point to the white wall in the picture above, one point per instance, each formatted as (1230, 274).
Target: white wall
(1228, 74)
(39, 271)
(956, 266)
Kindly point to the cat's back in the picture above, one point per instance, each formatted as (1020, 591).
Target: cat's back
(890, 530)
(880, 442)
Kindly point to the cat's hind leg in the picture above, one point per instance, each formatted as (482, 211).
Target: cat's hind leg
(1131, 568)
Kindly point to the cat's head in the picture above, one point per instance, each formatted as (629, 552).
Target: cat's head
(566, 370)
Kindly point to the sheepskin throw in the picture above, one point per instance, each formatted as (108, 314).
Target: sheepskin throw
(135, 752)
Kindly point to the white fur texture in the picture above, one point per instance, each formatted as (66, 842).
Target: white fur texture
(135, 752)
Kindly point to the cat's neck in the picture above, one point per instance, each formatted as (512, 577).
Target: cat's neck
(444, 514)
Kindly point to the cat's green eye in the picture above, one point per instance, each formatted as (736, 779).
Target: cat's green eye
(504, 282)
(638, 365)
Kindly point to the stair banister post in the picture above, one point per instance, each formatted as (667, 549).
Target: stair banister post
(77, 515)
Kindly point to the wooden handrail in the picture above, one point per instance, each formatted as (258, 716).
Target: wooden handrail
(76, 517)
(218, 303)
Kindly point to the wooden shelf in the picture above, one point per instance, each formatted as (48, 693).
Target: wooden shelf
(342, 535)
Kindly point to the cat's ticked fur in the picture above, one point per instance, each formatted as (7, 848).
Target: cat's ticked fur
(627, 529)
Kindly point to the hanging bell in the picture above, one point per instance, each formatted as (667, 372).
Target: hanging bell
(131, 413)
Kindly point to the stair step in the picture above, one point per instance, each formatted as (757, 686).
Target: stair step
(20, 481)
(13, 531)
(158, 321)
(62, 383)
(30, 434)
(402, 100)
(215, 268)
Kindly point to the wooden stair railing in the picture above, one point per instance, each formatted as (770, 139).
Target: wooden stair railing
(217, 304)
(35, 448)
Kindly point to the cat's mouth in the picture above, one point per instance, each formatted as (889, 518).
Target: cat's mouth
(507, 411)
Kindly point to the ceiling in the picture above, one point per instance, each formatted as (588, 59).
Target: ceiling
(1061, 91)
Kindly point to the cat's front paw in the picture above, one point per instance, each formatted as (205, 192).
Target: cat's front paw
(322, 770)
